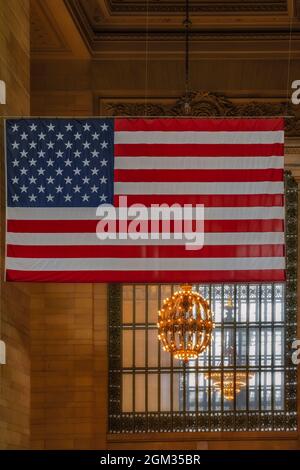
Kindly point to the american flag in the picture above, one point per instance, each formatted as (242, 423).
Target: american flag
(60, 170)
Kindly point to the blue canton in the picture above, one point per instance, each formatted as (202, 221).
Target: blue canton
(59, 162)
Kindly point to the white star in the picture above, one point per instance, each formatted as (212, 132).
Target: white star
(23, 189)
(77, 189)
(41, 189)
(77, 153)
(77, 171)
(85, 180)
(103, 162)
(59, 171)
(104, 145)
(86, 162)
(103, 180)
(41, 154)
(15, 180)
(32, 180)
(15, 145)
(68, 180)
(24, 136)
(42, 136)
(41, 171)
(33, 127)
(95, 153)
(95, 136)
(77, 136)
(59, 189)
(69, 127)
(68, 198)
(32, 145)
(68, 162)
(50, 198)
(15, 162)
(95, 171)
(86, 145)
(86, 127)
(104, 127)
(103, 198)
(59, 136)
(15, 198)
(23, 153)
(50, 127)
(32, 162)
(14, 128)
(32, 198)
(50, 145)
(68, 145)
(50, 180)
(50, 162)
(85, 198)
(24, 171)
(94, 189)
(59, 154)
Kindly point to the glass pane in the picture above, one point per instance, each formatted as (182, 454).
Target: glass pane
(153, 306)
(279, 390)
(140, 348)
(152, 348)
(165, 402)
(127, 395)
(176, 391)
(278, 347)
(127, 307)
(139, 392)
(127, 348)
(152, 392)
(140, 304)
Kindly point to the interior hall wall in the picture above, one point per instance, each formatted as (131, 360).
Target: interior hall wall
(14, 313)
(69, 366)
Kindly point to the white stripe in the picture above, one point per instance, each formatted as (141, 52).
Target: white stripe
(145, 264)
(199, 188)
(69, 239)
(199, 137)
(177, 213)
(198, 163)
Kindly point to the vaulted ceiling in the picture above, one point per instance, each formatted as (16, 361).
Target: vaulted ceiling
(98, 28)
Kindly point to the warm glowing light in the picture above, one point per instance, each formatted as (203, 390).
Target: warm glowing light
(233, 382)
(185, 325)
(230, 383)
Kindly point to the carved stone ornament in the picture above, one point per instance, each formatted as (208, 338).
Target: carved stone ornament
(209, 104)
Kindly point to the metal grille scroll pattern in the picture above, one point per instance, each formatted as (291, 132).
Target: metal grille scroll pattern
(150, 391)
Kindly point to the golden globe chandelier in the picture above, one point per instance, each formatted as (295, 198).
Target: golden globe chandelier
(185, 324)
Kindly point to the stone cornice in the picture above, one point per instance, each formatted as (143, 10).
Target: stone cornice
(200, 7)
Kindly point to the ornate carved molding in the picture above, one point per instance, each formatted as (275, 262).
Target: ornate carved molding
(210, 104)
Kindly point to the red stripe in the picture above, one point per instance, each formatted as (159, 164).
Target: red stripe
(196, 124)
(179, 251)
(198, 150)
(199, 175)
(268, 275)
(89, 226)
(216, 200)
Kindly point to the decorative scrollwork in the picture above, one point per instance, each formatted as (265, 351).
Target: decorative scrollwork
(207, 104)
